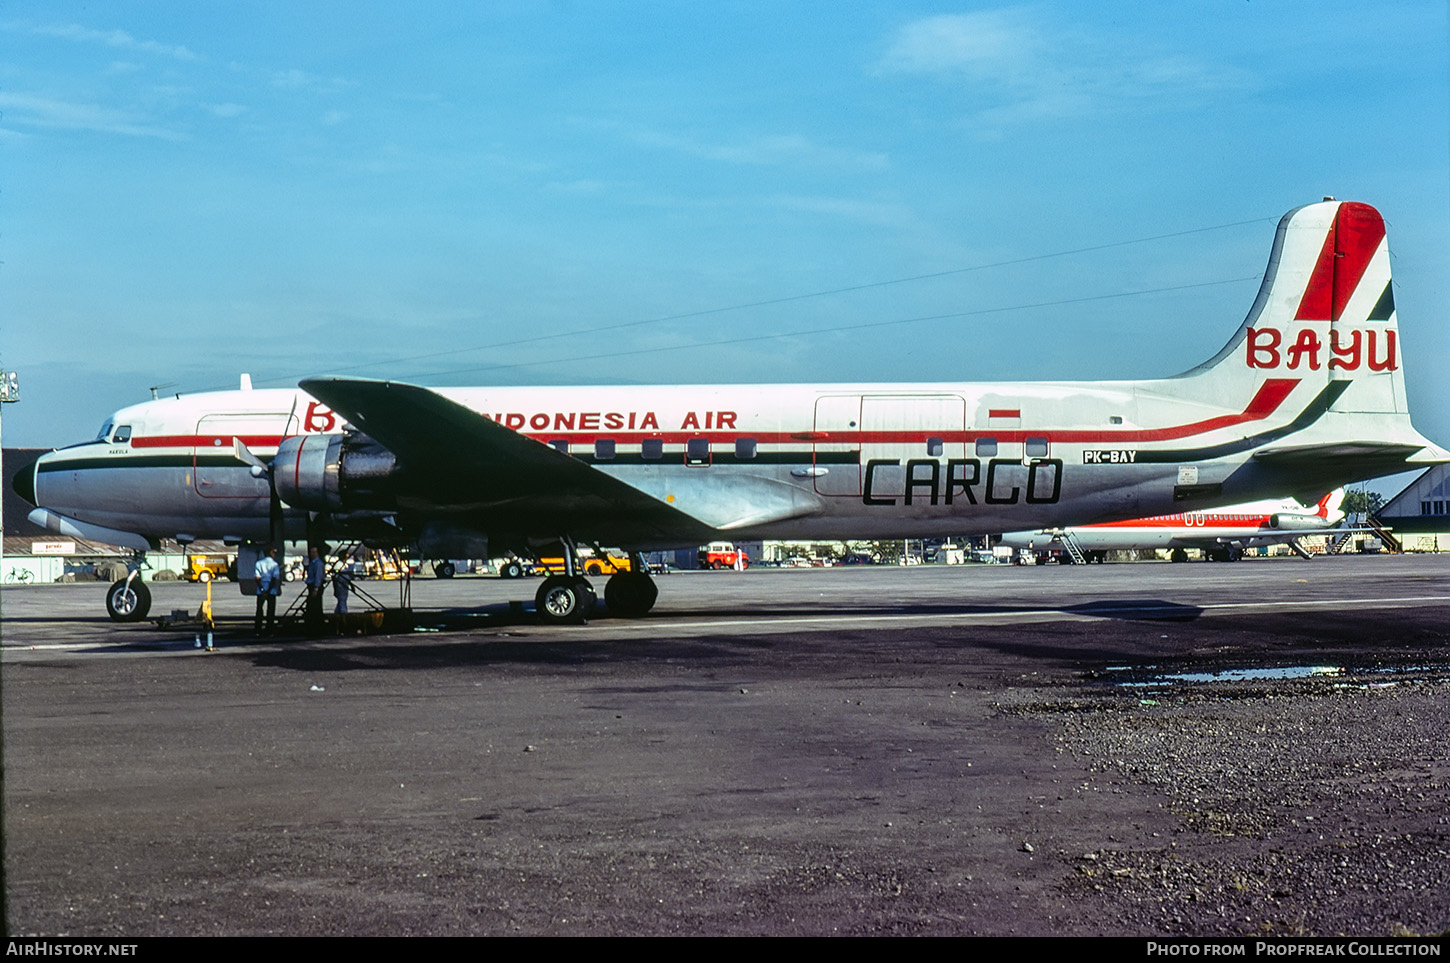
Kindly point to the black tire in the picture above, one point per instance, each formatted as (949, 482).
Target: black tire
(444, 569)
(204, 576)
(128, 603)
(563, 600)
(1178, 555)
(511, 569)
(630, 595)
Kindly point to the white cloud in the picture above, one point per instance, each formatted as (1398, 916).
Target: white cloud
(986, 43)
(1018, 65)
(36, 111)
(111, 38)
(761, 150)
(295, 79)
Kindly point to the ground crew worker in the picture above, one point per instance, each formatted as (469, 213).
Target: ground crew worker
(269, 586)
(341, 586)
(316, 579)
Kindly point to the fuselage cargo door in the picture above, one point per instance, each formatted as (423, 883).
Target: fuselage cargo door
(910, 446)
(836, 445)
(216, 473)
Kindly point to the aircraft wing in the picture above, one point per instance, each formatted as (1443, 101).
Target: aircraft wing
(459, 462)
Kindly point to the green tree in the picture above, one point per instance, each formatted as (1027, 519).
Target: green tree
(1362, 501)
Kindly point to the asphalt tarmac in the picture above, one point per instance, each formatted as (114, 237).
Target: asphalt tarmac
(1140, 749)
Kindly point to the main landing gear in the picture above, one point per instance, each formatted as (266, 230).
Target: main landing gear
(569, 599)
(565, 600)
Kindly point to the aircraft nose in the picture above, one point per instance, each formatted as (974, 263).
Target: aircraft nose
(24, 483)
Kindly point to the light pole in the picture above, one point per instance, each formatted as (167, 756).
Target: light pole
(9, 392)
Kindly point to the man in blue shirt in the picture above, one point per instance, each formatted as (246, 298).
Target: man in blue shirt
(269, 586)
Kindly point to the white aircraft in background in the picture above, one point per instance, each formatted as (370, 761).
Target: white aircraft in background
(1221, 533)
(1307, 395)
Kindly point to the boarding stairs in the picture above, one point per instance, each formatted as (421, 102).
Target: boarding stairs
(1074, 550)
(1390, 543)
(387, 564)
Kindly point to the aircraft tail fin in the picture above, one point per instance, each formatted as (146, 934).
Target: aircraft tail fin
(1321, 344)
(1329, 505)
(1325, 312)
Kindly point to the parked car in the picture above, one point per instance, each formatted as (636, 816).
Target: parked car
(720, 555)
(204, 568)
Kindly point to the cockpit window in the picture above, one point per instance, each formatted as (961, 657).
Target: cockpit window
(123, 435)
(105, 433)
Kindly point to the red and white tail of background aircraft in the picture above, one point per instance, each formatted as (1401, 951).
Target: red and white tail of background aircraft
(1221, 533)
(1307, 395)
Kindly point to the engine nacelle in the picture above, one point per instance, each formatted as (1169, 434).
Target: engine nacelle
(1291, 522)
(335, 473)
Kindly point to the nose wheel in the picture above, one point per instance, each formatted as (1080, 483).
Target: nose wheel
(128, 600)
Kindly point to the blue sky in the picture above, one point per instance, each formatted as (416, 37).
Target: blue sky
(470, 193)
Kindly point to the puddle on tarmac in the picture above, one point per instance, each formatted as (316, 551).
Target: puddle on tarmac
(1148, 676)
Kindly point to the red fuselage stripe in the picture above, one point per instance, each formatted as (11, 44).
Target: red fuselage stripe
(1266, 401)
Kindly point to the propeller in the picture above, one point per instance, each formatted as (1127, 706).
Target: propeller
(275, 530)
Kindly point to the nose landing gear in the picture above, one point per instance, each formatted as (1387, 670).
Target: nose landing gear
(128, 599)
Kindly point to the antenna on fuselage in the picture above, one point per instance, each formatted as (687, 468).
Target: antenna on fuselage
(156, 388)
(246, 381)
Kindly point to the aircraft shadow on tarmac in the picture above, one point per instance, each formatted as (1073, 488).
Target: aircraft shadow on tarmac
(487, 623)
(1149, 609)
(508, 640)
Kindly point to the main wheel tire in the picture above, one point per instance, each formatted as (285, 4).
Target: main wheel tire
(128, 602)
(1178, 555)
(511, 569)
(630, 594)
(444, 569)
(563, 600)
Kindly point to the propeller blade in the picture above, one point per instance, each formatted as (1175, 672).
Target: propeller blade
(244, 454)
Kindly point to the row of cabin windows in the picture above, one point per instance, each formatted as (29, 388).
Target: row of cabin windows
(697, 450)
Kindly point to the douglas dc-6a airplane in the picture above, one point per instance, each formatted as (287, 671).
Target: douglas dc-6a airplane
(1306, 396)
(1221, 533)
